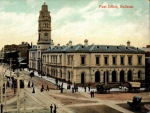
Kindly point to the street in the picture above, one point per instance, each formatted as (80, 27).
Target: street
(67, 102)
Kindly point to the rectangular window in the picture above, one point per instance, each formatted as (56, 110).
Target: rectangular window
(139, 60)
(47, 58)
(97, 60)
(68, 59)
(60, 58)
(106, 60)
(130, 60)
(83, 60)
(114, 60)
(122, 60)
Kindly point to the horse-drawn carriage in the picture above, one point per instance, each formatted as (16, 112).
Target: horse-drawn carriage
(102, 88)
(134, 87)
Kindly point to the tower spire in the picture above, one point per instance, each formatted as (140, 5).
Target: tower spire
(44, 25)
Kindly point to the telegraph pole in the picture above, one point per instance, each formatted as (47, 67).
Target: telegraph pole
(10, 66)
(5, 93)
(18, 92)
(24, 94)
(2, 88)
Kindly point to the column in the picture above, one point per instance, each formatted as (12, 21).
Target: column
(110, 76)
(126, 76)
(118, 76)
(102, 77)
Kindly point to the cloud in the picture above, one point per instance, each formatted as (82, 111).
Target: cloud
(18, 27)
(91, 5)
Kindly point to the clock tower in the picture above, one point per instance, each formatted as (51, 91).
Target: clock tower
(44, 27)
(44, 33)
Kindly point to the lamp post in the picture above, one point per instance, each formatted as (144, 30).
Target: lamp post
(18, 92)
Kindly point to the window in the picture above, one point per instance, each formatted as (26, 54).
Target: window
(122, 60)
(139, 75)
(46, 36)
(47, 58)
(83, 60)
(130, 60)
(114, 60)
(97, 60)
(139, 60)
(68, 59)
(106, 60)
(60, 58)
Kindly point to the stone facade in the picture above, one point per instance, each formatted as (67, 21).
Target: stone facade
(91, 66)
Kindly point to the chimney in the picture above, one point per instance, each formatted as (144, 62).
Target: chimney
(86, 42)
(128, 43)
(67, 44)
(70, 43)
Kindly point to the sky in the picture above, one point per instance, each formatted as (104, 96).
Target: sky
(77, 20)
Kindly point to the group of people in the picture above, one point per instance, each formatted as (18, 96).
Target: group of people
(53, 110)
(42, 88)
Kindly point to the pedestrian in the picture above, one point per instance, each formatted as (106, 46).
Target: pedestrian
(62, 84)
(29, 84)
(51, 108)
(91, 94)
(33, 90)
(55, 108)
(85, 88)
(61, 89)
(42, 86)
(32, 84)
(89, 88)
(47, 89)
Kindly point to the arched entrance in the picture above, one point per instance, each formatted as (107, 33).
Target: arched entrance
(56, 73)
(60, 74)
(121, 76)
(129, 75)
(48, 72)
(114, 76)
(106, 73)
(97, 76)
(82, 78)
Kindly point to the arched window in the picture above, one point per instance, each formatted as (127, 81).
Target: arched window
(97, 76)
(121, 76)
(46, 36)
(129, 75)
